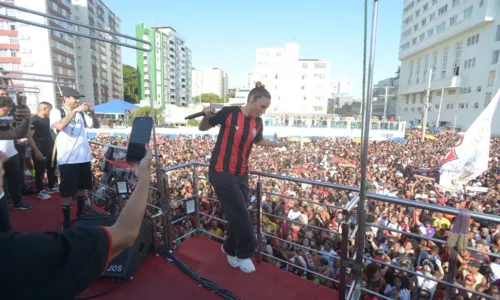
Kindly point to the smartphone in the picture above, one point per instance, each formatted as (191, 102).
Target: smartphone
(139, 137)
(21, 101)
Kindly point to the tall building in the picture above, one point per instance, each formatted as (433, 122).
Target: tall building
(459, 40)
(296, 85)
(385, 98)
(99, 63)
(250, 81)
(170, 63)
(209, 80)
(31, 49)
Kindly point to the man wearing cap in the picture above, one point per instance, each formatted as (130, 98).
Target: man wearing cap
(73, 149)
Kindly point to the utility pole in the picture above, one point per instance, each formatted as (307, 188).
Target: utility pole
(426, 106)
(439, 110)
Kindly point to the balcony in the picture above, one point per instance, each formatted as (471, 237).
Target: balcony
(437, 84)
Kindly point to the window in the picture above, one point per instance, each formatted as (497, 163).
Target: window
(434, 65)
(423, 22)
(415, 27)
(491, 78)
(426, 6)
(319, 65)
(468, 13)
(497, 36)
(430, 32)
(453, 20)
(442, 10)
(421, 37)
(417, 13)
(487, 99)
(440, 27)
(463, 105)
(494, 59)
(445, 62)
(419, 61)
(304, 65)
(406, 33)
(434, 2)
(414, 42)
(455, 2)
(432, 17)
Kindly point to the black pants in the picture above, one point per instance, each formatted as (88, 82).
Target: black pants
(232, 192)
(5, 224)
(11, 184)
(42, 165)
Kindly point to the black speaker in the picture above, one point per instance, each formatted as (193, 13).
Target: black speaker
(128, 262)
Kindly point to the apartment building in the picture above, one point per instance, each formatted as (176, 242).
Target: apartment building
(210, 80)
(341, 86)
(99, 64)
(385, 98)
(296, 85)
(457, 44)
(169, 80)
(32, 49)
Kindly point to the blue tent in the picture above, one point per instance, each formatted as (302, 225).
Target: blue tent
(115, 106)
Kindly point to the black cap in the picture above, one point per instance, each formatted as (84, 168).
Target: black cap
(69, 92)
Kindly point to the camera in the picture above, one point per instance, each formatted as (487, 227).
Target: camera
(7, 124)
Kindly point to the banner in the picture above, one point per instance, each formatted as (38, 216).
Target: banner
(469, 159)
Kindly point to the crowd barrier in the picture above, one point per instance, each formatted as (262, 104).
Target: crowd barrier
(164, 211)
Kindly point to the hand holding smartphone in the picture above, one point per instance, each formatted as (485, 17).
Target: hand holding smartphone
(139, 137)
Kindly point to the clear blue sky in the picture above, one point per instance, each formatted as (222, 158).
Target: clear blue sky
(225, 33)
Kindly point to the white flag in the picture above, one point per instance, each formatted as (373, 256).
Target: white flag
(469, 159)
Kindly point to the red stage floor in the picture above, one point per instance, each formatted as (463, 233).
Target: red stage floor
(157, 279)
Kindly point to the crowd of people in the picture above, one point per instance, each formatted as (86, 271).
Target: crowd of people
(289, 207)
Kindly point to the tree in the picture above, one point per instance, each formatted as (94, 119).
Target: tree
(130, 84)
(208, 98)
(193, 122)
(145, 111)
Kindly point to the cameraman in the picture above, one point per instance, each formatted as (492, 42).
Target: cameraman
(60, 265)
(11, 164)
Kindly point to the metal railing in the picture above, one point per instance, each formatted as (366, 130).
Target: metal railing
(166, 219)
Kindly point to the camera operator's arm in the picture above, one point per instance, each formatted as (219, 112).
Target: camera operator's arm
(22, 129)
(126, 229)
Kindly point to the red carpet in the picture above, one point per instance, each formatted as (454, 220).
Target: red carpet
(157, 279)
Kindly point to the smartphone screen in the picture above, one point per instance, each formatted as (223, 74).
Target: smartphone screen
(139, 137)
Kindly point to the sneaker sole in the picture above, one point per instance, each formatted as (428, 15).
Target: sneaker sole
(23, 208)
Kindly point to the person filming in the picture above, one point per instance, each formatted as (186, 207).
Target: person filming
(73, 150)
(60, 265)
(7, 136)
(240, 129)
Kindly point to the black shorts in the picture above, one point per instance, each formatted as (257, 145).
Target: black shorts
(74, 177)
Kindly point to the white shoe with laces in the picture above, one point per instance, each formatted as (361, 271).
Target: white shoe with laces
(43, 195)
(246, 265)
(232, 260)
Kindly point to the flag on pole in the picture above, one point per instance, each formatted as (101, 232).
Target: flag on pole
(469, 159)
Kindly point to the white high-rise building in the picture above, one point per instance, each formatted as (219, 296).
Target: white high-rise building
(31, 49)
(209, 80)
(460, 41)
(99, 64)
(296, 85)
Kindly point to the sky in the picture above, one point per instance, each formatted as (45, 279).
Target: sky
(225, 33)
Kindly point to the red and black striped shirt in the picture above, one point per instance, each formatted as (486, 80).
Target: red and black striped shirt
(236, 137)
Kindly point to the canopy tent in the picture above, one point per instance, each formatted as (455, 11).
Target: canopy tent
(115, 106)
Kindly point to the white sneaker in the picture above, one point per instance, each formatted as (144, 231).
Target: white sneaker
(43, 195)
(246, 265)
(232, 260)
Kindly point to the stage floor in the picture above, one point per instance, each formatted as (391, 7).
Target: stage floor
(158, 279)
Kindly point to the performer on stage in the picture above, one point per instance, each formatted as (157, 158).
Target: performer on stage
(240, 128)
(73, 150)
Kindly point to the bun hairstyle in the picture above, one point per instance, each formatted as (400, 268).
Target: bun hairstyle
(259, 92)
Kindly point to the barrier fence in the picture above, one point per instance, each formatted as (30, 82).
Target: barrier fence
(169, 209)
